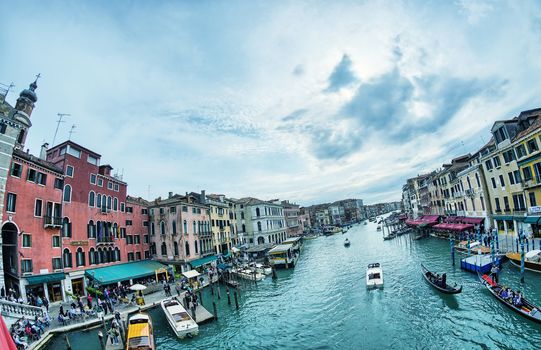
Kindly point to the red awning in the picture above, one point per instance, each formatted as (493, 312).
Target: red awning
(430, 218)
(453, 227)
(454, 219)
(475, 221)
(6, 341)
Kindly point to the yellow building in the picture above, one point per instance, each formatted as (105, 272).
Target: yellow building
(220, 222)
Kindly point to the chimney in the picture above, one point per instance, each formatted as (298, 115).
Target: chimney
(43, 153)
(203, 197)
(170, 194)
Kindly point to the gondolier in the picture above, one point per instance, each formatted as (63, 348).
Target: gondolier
(494, 272)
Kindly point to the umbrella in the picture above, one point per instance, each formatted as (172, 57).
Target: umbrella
(235, 249)
(138, 286)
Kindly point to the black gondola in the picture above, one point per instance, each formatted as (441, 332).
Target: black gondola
(527, 309)
(346, 243)
(432, 280)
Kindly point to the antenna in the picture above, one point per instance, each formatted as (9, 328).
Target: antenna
(71, 131)
(148, 192)
(60, 116)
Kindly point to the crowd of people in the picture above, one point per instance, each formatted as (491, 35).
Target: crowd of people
(25, 331)
(512, 297)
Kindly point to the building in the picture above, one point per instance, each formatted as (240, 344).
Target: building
(138, 233)
(220, 222)
(304, 219)
(235, 242)
(291, 215)
(14, 125)
(260, 222)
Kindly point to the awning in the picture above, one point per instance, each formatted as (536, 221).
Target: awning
(502, 217)
(45, 278)
(532, 219)
(124, 272)
(226, 255)
(453, 227)
(475, 221)
(203, 261)
(191, 274)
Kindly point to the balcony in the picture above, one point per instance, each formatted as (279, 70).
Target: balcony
(470, 192)
(52, 221)
(458, 194)
(104, 240)
(533, 182)
(204, 234)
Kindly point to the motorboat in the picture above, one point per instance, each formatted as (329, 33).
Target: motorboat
(475, 248)
(532, 260)
(249, 274)
(262, 269)
(374, 276)
(439, 282)
(180, 321)
(378, 228)
(140, 333)
(347, 243)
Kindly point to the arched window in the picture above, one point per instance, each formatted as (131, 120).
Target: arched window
(109, 202)
(153, 248)
(117, 254)
(103, 202)
(98, 200)
(115, 204)
(162, 228)
(66, 258)
(176, 248)
(260, 240)
(97, 257)
(20, 139)
(195, 247)
(102, 255)
(152, 231)
(194, 226)
(91, 199)
(66, 227)
(116, 232)
(164, 249)
(110, 255)
(91, 256)
(259, 225)
(80, 257)
(187, 247)
(67, 193)
(185, 227)
(257, 212)
(91, 229)
(243, 228)
(174, 224)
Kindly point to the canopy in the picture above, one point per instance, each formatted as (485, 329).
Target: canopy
(475, 221)
(191, 274)
(235, 249)
(454, 219)
(453, 227)
(203, 261)
(138, 286)
(532, 219)
(124, 272)
(45, 278)
(502, 217)
(532, 253)
(280, 248)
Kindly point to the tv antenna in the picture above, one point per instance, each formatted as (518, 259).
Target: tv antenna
(72, 131)
(60, 117)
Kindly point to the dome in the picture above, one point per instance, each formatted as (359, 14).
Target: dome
(30, 92)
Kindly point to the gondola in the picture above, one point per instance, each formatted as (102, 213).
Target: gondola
(430, 278)
(527, 310)
(347, 243)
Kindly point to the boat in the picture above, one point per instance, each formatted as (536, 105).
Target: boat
(311, 236)
(140, 334)
(366, 223)
(262, 269)
(374, 276)
(475, 248)
(249, 274)
(532, 260)
(527, 309)
(180, 321)
(378, 228)
(347, 243)
(431, 278)
(283, 255)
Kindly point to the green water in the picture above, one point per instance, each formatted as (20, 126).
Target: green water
(323, 304)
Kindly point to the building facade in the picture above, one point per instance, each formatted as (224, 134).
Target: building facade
(261, 222)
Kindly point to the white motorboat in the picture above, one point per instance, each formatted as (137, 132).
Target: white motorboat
(378, 228)
(180, 321)
(249, 274)
(263, 269)
(374, 276)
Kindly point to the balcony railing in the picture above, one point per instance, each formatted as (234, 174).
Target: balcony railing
(52, 221)
(105, 239)
(533, 182)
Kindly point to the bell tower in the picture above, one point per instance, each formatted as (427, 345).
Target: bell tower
(23, 110)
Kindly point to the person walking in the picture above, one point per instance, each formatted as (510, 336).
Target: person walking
(46, 303)
(178, 288)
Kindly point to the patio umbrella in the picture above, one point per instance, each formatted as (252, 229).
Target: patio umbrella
(138, 286)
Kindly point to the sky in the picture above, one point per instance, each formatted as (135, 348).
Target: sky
(311, 101)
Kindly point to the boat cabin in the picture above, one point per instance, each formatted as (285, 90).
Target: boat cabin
(140, 333)
(296, 242)
(283, 256)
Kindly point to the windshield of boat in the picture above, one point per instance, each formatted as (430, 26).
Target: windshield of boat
(373, 276)
(139, 343)
(181, 316)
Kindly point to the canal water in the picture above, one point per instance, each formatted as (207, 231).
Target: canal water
(323, 304)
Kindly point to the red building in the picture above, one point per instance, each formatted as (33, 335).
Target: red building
(137, 233)
(31, 230)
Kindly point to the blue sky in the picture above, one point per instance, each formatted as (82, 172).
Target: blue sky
(307, 101)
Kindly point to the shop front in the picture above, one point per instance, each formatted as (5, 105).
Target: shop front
(45, 285)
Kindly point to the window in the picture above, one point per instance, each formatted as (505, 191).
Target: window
(162, 228)
(3, 127)
(38, 207)
(16, 169)
(145, 239)
(41, 179)
(147, 254)
(31, 175)
(27, 240)
(122, 207)
(493, 180)
(69, 171)
(66, 227)
(152, 231)
(518, 202)
(91, 199)
(175, 245)
(56, 241)
(115, 204)
(109, 185)
(506, 203)
(66, 258)
(162, 211)
(130, 257)
(187, 248)
(91, 229)
(511, 178)
(164, 249)
(74, 152)
(145, 224)
(497, 200)
(26, 265)
(185, 225)
(57, 263)
(173, 209)
(488, 164)
(527, 172)
(533, 202)
(137, 239)
(128, 222)
(259, 225)
(521, 151)
(138, 256)
(129, 209)
(58, 183)
(100, 182)
(144, 211)
(92, 160)
(516, 174)
(129, 239)
(109, 202)
(184, 208)
(117, 187)
(532, 146)
(67, 193)
(509, 156)
(80, 257)
(502, 183)
(11, 202)
(496, 161)
(122, 232)
(93, 179)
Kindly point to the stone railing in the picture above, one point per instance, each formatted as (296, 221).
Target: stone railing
(16, 310)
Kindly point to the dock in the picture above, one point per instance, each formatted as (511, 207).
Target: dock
(202, 315)
(478, 263)
(109, 346)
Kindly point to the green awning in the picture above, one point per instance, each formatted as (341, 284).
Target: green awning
(45, 278)
(532, 219)
(203, 261)
(227, 255)
(502, 217)
(519, 218)
(124, 272)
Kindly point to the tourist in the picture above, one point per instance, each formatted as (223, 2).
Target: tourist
(89, 301)
(19, 342)
(61, 312)
(178, 288)
(114, 333)
(46, 303)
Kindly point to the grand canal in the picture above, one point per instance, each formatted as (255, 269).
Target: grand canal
(323, 304)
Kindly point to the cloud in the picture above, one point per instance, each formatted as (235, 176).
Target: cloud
(298, 70)
(342, 75)
(295, 115)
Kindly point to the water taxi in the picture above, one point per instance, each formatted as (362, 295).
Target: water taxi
(180, 321)
(378, 228)
(262, 269)
(374, 276)
(475, 248)
(283, 255)
(347, 243)
(140, 336)
(532, 260)
(248, 274)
